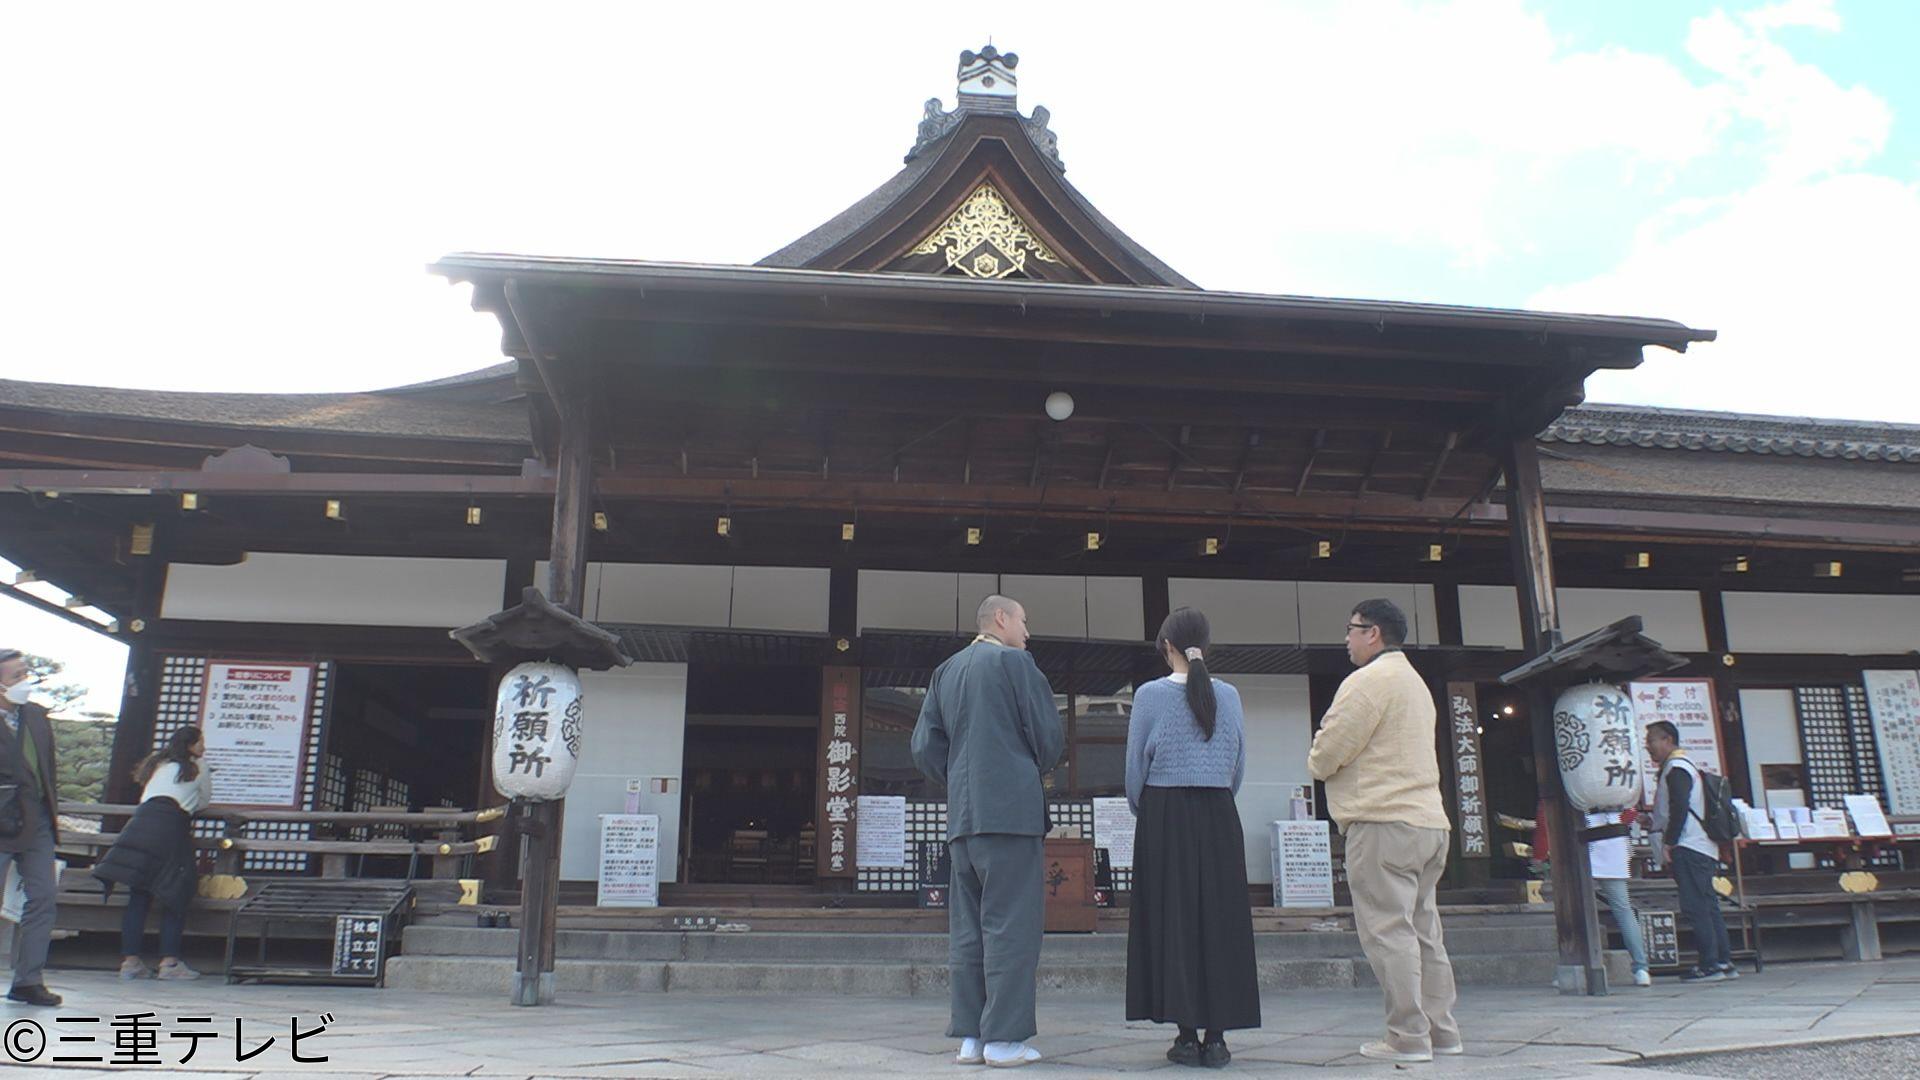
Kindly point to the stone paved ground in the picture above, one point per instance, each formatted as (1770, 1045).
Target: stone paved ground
(391, 1033)
(1855, 1059)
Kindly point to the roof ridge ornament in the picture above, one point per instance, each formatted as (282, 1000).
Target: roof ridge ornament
(987, 84)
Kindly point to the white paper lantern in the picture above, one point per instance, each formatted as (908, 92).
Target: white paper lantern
(1597, 739)
(536, 731)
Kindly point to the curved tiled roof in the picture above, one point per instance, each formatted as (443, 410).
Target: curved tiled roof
(383, 413)
(1737, 433)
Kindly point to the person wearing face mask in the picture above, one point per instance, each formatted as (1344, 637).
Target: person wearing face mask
(29, 820)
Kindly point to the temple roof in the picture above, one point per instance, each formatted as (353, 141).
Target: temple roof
(935, 205)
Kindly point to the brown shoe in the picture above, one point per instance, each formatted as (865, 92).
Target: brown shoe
(37, 994)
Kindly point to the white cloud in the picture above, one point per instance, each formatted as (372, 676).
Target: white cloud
(1808, 284)
(1811, 123)
(1802, 274)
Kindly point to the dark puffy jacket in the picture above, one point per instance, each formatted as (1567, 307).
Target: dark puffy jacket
(154, 854)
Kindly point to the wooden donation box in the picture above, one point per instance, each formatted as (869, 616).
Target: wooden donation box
(1066, 880)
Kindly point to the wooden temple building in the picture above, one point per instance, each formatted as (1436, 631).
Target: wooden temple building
(786, 486)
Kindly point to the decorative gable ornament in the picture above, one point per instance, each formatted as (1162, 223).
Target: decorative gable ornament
(985, 238)
(536, 731)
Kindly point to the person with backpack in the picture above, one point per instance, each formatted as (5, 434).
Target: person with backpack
(1680, 819)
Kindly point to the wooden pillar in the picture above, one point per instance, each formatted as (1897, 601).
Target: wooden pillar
(140, 693)
(1575, 915)
(566, 587)
(1728, 723)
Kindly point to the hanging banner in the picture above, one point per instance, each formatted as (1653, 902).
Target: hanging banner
(1687, 704)
(1893, 697)
(255, 718)
(837, 777)
(883, 832)
(1469, 783)
(629, 860)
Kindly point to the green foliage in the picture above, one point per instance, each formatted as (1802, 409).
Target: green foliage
(47, 671)
(84, 752)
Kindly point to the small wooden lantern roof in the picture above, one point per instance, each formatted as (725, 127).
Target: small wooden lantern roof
(1615, 653)
(538, 629)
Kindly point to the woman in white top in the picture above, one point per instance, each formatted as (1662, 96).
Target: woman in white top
(154, 857)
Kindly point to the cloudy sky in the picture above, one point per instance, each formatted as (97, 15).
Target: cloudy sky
(244, 196)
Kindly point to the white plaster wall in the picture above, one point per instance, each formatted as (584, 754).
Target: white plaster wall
(337, 590)
(1822, 623)
(791, 598)
(1279, 733)
(907, 600)
(1057, 605)
(635, 728)
(1076, 607)
(1772, 727)
(1490, 614)
(1325, 606)
(1242, 612)
(657, 593)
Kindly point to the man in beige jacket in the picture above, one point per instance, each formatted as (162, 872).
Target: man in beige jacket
(1375, 752)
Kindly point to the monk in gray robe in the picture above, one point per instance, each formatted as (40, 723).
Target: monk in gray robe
(989, 731)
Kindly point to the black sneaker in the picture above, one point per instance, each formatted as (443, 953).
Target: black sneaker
(1700, 975)
(34, 995)
(1215, 1055)
(1184, 1052)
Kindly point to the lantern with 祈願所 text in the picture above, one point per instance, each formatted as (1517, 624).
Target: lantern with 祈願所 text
(536, 731)
(1598, 743)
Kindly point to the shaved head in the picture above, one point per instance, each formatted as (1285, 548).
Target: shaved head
(1005, 619)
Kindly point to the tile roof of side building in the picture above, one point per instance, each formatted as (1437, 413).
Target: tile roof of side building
(1737, 433)
(411, 412)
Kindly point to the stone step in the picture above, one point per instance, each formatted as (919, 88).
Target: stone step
(879, 978)
(789, 947)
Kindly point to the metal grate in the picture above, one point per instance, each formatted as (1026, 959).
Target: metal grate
(926, 823)
(1826, 745)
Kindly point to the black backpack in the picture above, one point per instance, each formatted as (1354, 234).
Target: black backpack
(1722, 822)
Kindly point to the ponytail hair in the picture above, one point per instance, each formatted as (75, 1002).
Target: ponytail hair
(1187, 631)
(179, 750)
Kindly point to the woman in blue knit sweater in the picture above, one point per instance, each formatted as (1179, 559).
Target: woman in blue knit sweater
(1190, 931)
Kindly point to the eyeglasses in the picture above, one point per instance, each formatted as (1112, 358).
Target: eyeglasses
(1351, 627)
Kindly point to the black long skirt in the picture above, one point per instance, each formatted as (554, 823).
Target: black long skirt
(1190, 933)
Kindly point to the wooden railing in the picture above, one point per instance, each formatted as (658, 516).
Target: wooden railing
(449, 849)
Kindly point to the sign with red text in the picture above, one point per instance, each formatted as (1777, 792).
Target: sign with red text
(1689, 706)
(255, 718)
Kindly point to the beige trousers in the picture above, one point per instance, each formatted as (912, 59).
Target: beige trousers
(1392, 869)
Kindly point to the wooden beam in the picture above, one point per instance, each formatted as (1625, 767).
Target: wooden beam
(1439, 465)
(1373, 459)
(1313, 455)
(1246, 455)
